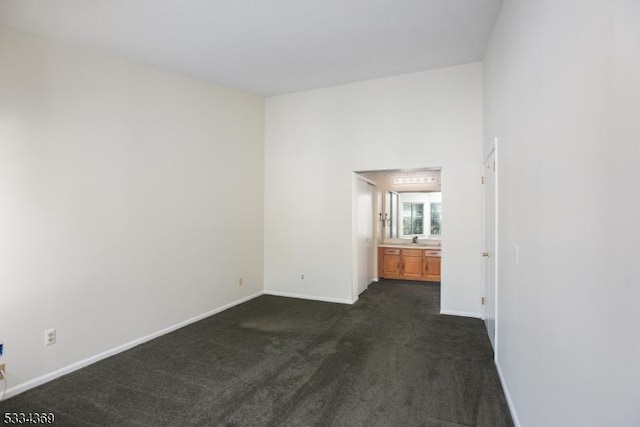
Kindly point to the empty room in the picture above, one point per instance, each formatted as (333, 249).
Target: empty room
(354, 213)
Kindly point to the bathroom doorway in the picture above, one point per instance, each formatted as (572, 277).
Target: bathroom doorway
(406, 215)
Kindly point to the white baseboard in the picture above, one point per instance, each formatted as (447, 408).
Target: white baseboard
(461, 313)
(17, 389)
(512, 408)
(309, 297)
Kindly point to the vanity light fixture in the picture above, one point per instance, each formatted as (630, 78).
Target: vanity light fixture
(414, 180)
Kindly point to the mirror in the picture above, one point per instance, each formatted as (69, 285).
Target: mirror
(411, 214)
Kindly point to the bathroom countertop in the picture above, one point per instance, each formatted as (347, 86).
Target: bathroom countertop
(429, 246)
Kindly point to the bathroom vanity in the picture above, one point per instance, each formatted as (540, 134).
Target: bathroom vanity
(409, 262)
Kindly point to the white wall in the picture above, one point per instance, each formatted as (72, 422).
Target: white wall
(562, 91)
(315, 139)
(131, 200)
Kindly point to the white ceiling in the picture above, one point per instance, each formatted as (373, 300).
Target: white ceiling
(269, 46)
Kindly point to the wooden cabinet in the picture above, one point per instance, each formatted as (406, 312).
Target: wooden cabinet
(409, 264)
(432, 265)
(391, 263)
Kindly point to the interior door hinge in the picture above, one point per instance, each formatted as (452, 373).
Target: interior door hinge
(494, 165)
(483, 179)
(483, 301)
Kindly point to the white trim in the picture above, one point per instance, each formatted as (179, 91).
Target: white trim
(309, 297)
(507, 395)
(461, 313)
(20, 388)
(496, 246)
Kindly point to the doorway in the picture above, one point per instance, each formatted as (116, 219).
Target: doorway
(405, 208)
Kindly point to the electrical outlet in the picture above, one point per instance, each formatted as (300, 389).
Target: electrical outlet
(49, 337)
(240, 282)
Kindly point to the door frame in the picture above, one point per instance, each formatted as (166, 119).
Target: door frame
(493, 152)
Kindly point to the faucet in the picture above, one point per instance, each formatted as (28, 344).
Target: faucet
(415, 239)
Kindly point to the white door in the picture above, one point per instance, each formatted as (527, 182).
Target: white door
(365, 235)
(489, 255)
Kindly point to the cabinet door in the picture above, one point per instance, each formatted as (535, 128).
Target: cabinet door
(412, 266)
(391, 266)
(432, 268)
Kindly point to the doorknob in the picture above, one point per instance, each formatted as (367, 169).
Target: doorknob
(485, 254)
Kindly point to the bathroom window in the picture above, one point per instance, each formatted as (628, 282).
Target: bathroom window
(412, 218)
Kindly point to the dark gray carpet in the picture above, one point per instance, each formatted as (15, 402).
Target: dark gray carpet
(389, 360)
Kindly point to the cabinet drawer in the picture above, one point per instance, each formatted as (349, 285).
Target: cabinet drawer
(432, 253)
(390, 251)
(411, 252)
